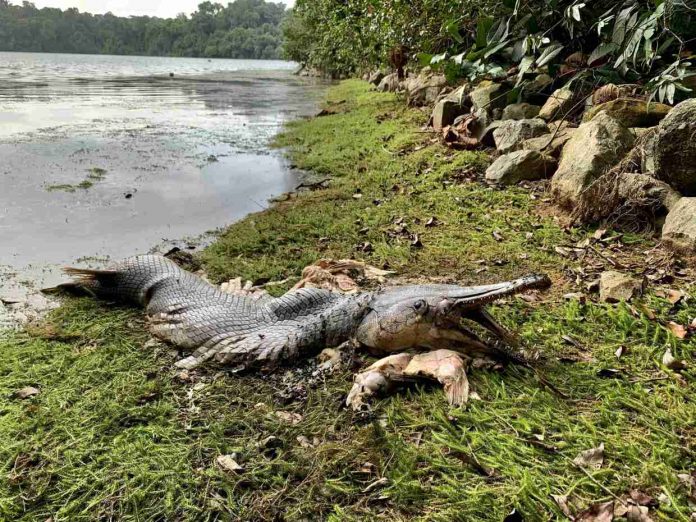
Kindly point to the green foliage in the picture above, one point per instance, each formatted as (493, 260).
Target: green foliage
(630, 41)
(243, 29)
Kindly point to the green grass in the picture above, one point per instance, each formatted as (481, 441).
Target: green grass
(115, 434)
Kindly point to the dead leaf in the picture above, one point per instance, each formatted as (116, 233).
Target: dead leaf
(601, 512)
(678, 330)
(562, 503)
(620, 351)
(498, 236)
(227, 463)
(637, 514)
(591, 458)
(599, 233)
(432, 222)
(306, 443)
(642, 499)
(670, 362)
(27, 392)
(289, 417)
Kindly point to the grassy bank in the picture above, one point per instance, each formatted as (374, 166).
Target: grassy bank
(116, 434)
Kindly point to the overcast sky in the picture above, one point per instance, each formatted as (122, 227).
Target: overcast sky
(163, 8)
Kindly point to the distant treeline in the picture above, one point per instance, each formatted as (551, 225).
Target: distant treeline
(243, 29)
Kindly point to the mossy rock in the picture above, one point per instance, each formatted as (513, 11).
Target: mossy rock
(630, 112)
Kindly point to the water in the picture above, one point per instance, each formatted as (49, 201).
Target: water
(102, 157)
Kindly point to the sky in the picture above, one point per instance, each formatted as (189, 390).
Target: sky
(162, 8)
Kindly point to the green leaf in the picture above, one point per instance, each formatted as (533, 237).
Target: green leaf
(452, 29)
(424, 59)
(601, 51)
(482, 29)
(549, 54)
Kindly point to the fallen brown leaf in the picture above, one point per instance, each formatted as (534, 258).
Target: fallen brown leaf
(601, 512)
(670, 362)
(289, 417)
(562, 503)
(592, 458)
(227, 463)
(678, 330)
(27, 392)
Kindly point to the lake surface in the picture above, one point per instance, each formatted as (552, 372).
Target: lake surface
(102, 157)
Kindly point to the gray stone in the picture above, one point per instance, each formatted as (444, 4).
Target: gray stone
(647, 156)
(675, 148)
(520, 165)
(488, 96)
(445, 112)
(424, 90)
(630, 112)
(390, 83)
(558, 105)
(510, 134)
(552, 143)
(376, 77)
(593, 149)
(520, 111)
(642, 187)
(679, 231)
(617, 286)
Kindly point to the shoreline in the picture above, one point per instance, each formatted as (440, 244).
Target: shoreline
(115, 431)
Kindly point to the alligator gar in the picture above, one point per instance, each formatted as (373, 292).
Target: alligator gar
(264, 332)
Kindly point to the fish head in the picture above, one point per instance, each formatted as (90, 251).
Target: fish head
(434, 316)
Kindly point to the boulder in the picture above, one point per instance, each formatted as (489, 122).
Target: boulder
(424, 90)
(642, 187)
(679, 231)
(558, 105)
(445, 112)
(376, 77)
(520, 111)
(617, 286)
(675, 148)
(488, 96)
(630, 112)
(552, 143)
(510, 134)
(647, 156)
(592, 150)
(390, 83)
(535, 91)
(520, 165)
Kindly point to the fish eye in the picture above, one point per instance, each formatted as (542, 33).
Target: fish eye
(420, 305)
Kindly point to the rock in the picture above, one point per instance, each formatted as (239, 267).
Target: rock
(445, 112)
(535, 91)
(424, 90)
(27, 392)
(390, 83)
(642, 187)
(679, 231)
(647, 157)
(488, 96)
(510, 134)
(520, 111)
(617, 286)
(675, 148)
(552, 143)
(592, 150)
(376, 77)
(630, 112)
(520, 165)
(558, 105)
